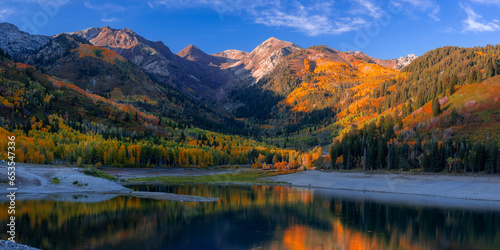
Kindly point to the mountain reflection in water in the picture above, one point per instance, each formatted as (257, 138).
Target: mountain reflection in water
(248, 217)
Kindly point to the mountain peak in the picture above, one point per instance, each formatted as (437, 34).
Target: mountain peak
(19, 43)
(9, 26)
(127, 30)
(272, 39)
(405, 61)
(108, 37)
(274, 43)
(192, 53)
(192, 47)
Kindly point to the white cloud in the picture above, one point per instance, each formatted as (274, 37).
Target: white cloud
(105, 7)
(449, 30)
(372, 9)
(431, 7)
(494, 2)
(311, 17)
(312, 25)
(435, 13)
(5, 12)
(109, 20)
(475, 22)
(59, 2)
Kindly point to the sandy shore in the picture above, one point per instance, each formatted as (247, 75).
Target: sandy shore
(36, 182)
(432, 189)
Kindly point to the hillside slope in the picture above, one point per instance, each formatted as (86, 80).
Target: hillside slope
(157, 60)
(98, 70)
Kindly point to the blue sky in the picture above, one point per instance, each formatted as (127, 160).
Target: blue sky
(382, 29)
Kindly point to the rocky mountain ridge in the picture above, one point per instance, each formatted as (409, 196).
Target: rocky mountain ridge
(397, 63)
(191, 71)
(19, 43)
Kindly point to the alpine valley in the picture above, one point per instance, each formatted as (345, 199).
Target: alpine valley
(110, 97)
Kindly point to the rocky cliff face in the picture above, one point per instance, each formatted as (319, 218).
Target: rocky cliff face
(19, 43)
(232, 54)
(156, 59)
(262, 60)
(398, 63)
(267, 56)
(404, 61)
(133, 47)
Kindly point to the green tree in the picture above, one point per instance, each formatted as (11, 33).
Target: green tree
(472, 76)
(454, 116)
(492, 160)
(436, 108)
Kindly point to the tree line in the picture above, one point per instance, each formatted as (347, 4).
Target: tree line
(377, 147)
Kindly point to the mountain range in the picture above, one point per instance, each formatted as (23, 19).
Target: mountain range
(191, 71)
(276, 89)
(115, 89)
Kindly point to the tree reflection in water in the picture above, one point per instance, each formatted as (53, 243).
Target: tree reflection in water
(249, 217)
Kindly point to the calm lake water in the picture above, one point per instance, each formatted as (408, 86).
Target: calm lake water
(249, 217)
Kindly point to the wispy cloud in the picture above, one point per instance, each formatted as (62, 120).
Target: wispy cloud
(109, 20)
(105, 7)
(431, 7)
(371, 8)
(494, 2)
(59, 2)
(312, 25)
(316, 18)
(476, 23)
(5, 12)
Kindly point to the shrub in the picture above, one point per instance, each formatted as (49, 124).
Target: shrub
(79, 162)
(92, 171)
(56, 180)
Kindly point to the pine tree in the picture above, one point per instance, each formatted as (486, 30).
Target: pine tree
(491, 70)
(381, 153)
(182, 137)
(451, 88)
(454, 116)
(492, 160)
(436, 107)
(479, 76)
(472, 76)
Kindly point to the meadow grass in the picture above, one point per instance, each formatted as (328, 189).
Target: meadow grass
(92, 171)
(247, 176)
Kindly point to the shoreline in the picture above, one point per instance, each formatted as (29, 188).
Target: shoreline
(34, 182)
(449, 186)
(37, 182)
(478, 192)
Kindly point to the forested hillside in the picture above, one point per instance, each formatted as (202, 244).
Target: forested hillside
(54, 120)
(442, 116)
(439, 112)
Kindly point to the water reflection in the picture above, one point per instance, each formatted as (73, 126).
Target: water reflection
(246, 217)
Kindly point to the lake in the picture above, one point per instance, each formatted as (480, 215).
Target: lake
(248, 217)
